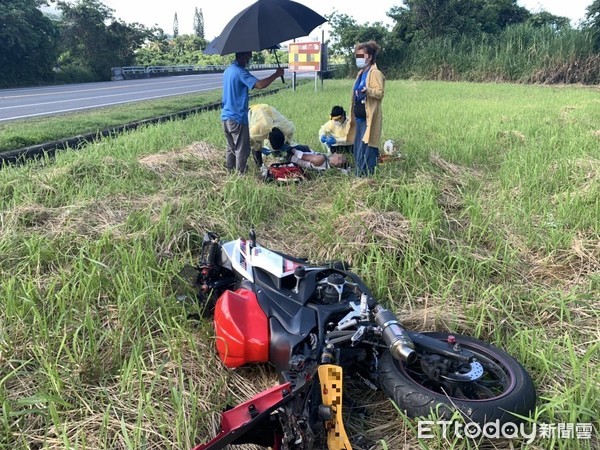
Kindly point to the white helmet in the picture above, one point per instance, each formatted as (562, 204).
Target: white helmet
(389, 148)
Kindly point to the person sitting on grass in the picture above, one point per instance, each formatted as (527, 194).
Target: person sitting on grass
(335, 130)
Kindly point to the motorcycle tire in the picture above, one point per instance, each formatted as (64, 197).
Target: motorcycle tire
(418, 396)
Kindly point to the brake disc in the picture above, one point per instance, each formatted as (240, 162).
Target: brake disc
(475, 373)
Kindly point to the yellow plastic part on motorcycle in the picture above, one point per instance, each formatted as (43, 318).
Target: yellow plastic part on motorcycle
(331, 378)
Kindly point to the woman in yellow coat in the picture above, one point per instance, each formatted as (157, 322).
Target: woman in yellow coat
(366, 114)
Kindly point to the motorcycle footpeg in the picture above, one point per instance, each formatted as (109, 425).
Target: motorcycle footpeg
(331, 379)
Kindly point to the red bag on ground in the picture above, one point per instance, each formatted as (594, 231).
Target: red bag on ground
(285, 172)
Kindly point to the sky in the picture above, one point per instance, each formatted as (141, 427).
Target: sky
(217, 13)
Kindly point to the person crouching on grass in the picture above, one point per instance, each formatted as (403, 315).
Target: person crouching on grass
(335, 130)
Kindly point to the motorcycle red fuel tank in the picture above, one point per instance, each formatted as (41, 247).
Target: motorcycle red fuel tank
(242, 329)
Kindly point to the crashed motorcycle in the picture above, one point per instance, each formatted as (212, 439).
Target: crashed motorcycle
(320, 326)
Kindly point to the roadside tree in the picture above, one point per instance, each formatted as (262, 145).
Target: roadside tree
(27, 43)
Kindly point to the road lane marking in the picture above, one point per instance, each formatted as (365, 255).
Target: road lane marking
(91, 107)
(179, 78)
(33, 105)
(83, 90)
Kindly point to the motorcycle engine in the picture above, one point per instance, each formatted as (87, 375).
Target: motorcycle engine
(334, 290)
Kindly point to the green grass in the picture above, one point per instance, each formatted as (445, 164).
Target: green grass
(488, 226)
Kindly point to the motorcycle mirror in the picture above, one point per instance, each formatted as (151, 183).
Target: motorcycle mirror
(300, 272)
(210, 236)
(252, 238)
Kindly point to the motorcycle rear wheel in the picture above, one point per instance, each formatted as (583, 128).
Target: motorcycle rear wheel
(504, 388)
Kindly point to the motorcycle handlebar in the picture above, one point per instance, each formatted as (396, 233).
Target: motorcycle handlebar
(210, 245)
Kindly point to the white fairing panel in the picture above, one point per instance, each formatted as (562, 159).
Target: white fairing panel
(237, 253)
(272, 262)
(243, 259)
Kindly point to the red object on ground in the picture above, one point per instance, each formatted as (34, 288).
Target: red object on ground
(286, 172)
(238, 419)
(242, 329)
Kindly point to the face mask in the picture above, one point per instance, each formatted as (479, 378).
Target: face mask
(361, 62)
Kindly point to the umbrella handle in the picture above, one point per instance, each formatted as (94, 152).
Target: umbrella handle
(277, 59)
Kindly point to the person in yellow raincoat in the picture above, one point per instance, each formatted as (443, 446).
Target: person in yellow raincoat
(335, 130)
(262, 119)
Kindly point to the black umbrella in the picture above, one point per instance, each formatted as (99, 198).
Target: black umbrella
(263, 25)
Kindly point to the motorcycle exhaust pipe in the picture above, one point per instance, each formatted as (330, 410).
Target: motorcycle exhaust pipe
(401, 346)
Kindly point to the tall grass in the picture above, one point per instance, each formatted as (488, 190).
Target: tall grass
(487, 225)
(521, 53)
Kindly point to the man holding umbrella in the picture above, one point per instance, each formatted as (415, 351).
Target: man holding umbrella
(252, 30)
(237, 82)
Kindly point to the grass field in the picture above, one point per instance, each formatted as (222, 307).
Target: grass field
(488, 225)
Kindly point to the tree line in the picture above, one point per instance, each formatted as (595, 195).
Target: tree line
(478, 40)
(441, 39)
(81, 42)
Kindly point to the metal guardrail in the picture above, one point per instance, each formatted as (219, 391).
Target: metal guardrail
(134, 72)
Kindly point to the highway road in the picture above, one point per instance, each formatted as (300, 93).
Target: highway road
(26, 103)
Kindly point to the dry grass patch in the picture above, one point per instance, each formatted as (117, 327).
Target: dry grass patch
(511, 137)
(572, 266)
(451, 183)
(198, 159)
(566, 116)
(458, 174)
(435, 314)
(583, 177)
(390, 231)
(453, 177)
(88, 218)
